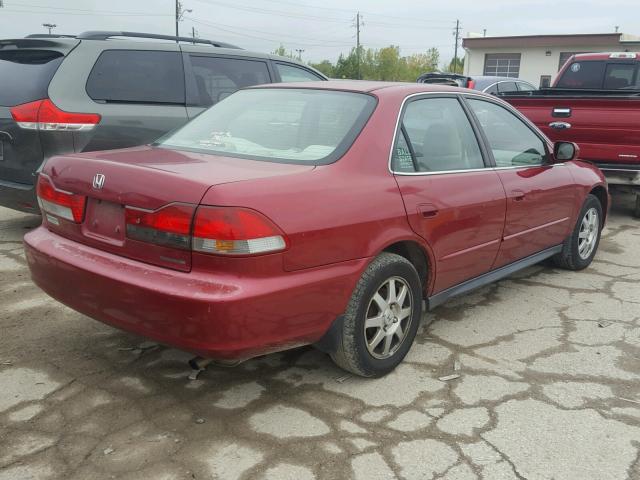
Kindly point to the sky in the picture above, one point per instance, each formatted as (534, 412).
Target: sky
(325, 28)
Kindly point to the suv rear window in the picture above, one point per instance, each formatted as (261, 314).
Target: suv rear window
(587, 74)
(137, 76)
(25, 75)
(280, 125)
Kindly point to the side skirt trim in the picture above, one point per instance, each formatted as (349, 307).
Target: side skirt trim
(490, 277)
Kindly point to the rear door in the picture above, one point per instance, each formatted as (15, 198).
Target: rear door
(454, 200)
(26, 69)
(138, 88)
(211, 78)
(540, 196)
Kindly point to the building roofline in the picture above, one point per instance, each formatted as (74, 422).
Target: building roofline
(582, 39)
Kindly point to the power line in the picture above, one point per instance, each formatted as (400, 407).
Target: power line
(278, 13)
(40, 12)
(90, 11)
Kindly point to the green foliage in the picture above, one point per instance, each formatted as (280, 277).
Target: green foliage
(281, 51)
(456, 67)
(383, 64)
(325, 67)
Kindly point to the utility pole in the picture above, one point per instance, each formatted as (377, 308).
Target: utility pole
(484, 32)
(49, 26)
(194, 34)
(455, 55)
(179, 14)
(358, 24)
(299, 50)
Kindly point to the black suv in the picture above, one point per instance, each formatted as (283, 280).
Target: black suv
(106, 90)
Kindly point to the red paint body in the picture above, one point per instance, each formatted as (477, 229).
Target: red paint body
(606, 126)
(336, 217)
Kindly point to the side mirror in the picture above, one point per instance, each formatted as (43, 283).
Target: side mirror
(565, 151)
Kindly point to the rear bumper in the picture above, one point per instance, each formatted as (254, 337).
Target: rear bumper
(218, 317)
(18, 196)
(621, 174)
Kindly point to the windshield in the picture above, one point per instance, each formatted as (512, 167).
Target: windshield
(277, 124)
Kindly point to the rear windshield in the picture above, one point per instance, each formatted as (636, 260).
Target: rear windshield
(585, 74)
(25, 75)
(277, 124)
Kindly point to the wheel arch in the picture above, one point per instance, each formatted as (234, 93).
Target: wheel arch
(420, 257)
(600, 192)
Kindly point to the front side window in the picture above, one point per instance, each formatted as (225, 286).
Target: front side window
(137, 76)
(440, 137)
(277, 124)
(217, 77)
(512, 142)
(290, 73)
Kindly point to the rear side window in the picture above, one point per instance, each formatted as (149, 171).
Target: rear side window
(588, 74)
(137, 76)
(289, 73)
(525, 87)
(507, 87)
(440, 137)
(25, 75)
(216, 78)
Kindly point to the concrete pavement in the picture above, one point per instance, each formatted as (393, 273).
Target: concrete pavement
(547, 388)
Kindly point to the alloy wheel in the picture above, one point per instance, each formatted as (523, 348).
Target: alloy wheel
(588, 234)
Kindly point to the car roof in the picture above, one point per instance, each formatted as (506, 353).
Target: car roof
(367, 86)
(608, 56)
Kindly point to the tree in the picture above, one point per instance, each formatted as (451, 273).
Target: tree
(281, 51)
(325, 67)
(458, 67)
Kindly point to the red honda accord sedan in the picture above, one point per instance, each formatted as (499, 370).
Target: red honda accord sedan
(319, 213)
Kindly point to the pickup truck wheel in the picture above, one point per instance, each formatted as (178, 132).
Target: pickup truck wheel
(580, 247)
(382, 317)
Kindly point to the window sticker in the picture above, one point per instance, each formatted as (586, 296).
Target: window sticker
(575, 67)
(403, 155)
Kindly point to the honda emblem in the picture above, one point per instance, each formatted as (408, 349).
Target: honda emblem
(98, 181)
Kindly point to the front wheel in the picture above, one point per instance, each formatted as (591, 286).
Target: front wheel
(382, 317)
(579, 249)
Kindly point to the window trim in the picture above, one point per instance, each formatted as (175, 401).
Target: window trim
(140, 103)
(526, 122)
(295, 65)
(485, 148)
(190, 78)
(486, 159)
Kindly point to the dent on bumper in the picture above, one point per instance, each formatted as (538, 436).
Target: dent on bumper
(227, 317)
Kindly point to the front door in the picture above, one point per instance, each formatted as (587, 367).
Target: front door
(540, 197)
(453, 200)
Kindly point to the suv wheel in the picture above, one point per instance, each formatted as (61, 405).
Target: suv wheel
(382, 317)
(579, 249)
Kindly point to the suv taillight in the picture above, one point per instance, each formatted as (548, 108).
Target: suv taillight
(216, 230)
(45, 115)
(69, 206)
(471, 83)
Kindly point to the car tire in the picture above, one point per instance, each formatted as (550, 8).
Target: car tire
(379, 303)
(580, 247)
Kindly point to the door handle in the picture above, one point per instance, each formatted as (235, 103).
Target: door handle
(561, 112)
(427, 210)
(517, 195)
(560, 125)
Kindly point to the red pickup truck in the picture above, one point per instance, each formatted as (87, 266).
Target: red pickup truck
(594, 102)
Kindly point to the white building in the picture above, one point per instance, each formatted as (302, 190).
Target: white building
(537, 58)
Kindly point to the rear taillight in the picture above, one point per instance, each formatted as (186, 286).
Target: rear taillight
(170, 226)
(471, 83)
(45, 115)
(235, 231)
(216, 230)
(69, 206)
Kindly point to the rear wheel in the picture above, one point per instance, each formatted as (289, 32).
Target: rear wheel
(580, 247)
(382, 317)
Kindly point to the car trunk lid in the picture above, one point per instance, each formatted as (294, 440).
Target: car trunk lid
(148, 179)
